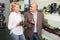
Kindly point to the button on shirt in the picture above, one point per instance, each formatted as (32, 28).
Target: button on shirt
(35, 20)
(15, 18)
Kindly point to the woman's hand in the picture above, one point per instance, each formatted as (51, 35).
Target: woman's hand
(18, 24)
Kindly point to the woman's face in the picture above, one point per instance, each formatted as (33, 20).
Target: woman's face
(16, 8)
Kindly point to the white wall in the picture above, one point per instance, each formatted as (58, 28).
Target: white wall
(42, 3)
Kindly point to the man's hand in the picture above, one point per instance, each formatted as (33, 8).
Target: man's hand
(32, 22)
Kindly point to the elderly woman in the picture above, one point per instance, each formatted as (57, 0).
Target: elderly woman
(14, 23)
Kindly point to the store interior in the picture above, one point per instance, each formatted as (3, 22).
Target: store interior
(51, 9)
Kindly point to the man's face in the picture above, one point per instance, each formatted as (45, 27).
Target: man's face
(33, 7)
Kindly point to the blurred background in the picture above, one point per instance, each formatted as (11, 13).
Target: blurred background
(51, 9)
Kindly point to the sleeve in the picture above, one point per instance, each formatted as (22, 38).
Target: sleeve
(26, 22)
(10, 23)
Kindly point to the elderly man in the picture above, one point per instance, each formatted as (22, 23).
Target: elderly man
(33, 22)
